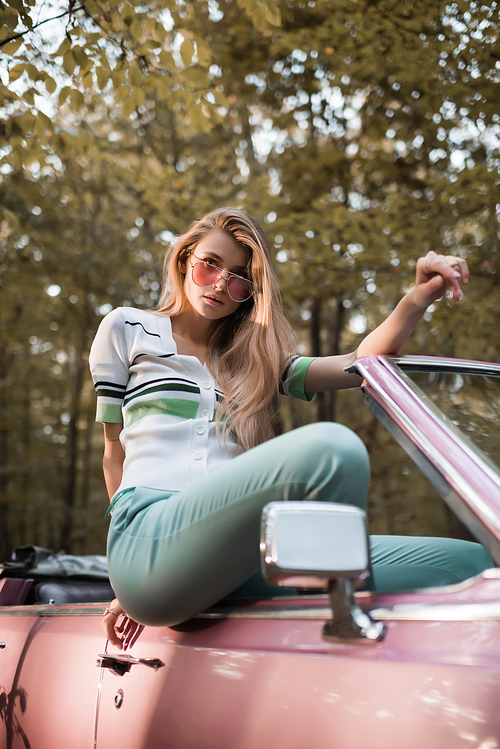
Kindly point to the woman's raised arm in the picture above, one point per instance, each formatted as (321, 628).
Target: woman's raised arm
(434, 275)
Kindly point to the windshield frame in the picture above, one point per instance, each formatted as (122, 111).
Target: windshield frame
(466, 479)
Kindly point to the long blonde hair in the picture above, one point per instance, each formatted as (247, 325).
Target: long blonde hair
(247, 351)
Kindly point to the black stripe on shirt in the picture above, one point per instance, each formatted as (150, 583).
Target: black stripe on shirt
(155, 356)
(157, 335)
(165, 380)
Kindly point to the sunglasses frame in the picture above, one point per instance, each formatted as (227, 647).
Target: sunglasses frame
(226, 278)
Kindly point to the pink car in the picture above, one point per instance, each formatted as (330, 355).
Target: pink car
(321, 667)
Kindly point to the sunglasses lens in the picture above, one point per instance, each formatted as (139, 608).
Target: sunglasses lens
(204, 274)
(239, 289)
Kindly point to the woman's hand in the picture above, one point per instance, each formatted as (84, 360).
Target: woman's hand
(112, 629)
(435, 274)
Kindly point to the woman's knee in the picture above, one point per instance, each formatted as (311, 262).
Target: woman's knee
(338, 441)
(334, 461)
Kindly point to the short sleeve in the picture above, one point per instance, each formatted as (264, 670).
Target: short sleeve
(293, 381)
(109, 367)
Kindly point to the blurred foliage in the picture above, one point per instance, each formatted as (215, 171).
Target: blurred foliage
(360, 134)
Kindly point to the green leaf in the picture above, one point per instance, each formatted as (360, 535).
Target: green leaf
(139, 97)
(166, 60)
(29, 96)
(69, 62)
(27, 121)
(136, 29)
(64, 47)
(273, 13)
(50, 84)
(203, 53)
(88, 80)
(16, 72)
(187, 51)
(11, 47)
(43, 123)
(194, 77)
(134, 76)
(122, 92)
(115, 22)
(10, 18)
(77, 99)
(128, 106)
(35, 74)
(163, 90)
(80, 56)
(63, 95)
(117, 76)
(102, 78)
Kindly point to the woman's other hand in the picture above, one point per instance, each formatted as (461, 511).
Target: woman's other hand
(111, 625)
(435, 274)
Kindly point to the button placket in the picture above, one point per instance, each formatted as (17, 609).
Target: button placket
(201, 431)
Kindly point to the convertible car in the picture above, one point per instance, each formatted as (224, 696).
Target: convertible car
(326, 664)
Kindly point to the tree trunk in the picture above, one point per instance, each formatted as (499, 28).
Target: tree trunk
(315, 340)
(334, 350)
(70, 491)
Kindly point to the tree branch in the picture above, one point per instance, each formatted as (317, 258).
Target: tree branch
(47, 20)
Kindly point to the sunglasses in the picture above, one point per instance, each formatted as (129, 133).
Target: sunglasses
(205, 273)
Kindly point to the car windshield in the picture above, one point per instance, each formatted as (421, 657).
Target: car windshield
(471, 402)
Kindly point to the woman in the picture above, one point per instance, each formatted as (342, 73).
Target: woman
(185, 394)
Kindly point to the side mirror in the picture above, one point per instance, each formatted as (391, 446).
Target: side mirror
(324, 546)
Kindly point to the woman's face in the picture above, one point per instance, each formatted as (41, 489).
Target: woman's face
(213, 302)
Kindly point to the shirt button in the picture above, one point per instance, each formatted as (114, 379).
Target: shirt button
(207, 385)
(198, 456)
(204, 413)
(200, 430)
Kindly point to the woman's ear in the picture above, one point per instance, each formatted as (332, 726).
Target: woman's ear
(183, 263)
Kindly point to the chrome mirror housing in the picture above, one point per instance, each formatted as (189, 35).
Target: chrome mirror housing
(321, 546)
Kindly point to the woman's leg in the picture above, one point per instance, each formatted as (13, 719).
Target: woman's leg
(178, 556)
(410, 562)
(401, 563)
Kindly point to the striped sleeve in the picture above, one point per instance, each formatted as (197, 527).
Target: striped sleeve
(109, 367)
(293, 381)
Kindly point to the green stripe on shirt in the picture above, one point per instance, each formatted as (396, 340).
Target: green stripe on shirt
(296, 385)
(109, 413)
(184, 409)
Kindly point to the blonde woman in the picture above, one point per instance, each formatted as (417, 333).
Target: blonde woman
(185, 394)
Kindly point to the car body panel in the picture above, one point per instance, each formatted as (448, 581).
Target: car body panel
(233, 679)
(56, 679)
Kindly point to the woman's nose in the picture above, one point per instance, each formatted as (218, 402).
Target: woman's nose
(219, 280)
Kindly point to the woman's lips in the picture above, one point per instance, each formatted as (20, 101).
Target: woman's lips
(214, 301)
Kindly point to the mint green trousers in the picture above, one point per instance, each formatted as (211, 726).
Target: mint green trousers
(174, 554)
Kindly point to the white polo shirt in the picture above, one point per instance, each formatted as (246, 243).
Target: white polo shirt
(166, 401)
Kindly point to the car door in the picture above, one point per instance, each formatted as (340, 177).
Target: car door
(48, 675)
(253, 674)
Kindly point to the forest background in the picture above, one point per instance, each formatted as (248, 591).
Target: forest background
(360, 133)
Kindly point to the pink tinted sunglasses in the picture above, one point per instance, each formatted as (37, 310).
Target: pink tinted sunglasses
(206, 273)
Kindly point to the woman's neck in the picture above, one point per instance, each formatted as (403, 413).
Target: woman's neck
(191, 334)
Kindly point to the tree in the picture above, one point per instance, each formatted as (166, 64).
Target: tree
(119, 50)
(358, 136)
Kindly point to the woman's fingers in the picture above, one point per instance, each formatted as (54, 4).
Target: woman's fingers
(460, 265)
(452, 270)
(113, 623)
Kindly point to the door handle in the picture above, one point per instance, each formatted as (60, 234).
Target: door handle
(120, 664)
